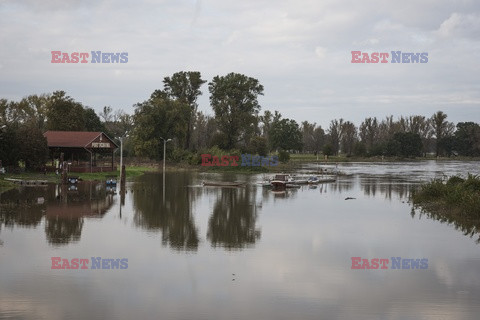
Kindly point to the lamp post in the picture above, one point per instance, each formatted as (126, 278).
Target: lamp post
(121, 156)
(164, 150)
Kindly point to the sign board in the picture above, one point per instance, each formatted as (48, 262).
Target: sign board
(100, 144)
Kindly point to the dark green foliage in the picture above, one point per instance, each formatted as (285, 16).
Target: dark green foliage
(234, 99)
(327, 150)
(360, 149)
(283, 156)
(462, 195)
(9, 147)
(405, 144)
(185, 87)
(258, 145)
(285, 134)
(64, 114)
(467, 139)
(33, 149)
(155, 119)
(92, 121)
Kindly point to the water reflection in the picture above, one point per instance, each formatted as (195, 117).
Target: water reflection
(389, 187)
(232, 223)
(63, 207)
(468, 225)
(172, 216)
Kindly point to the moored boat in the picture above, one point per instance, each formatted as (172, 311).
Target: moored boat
(222, 184)
(280, 181)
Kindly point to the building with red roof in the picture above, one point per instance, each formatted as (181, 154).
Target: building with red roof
(84, 151)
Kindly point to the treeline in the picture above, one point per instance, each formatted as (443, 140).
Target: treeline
(237, 125)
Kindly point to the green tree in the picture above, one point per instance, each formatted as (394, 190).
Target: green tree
(349, 137)
(259, 146)
(327, 150)
(9, 147)
(335, 134)
(234, 99)
(33, 149)
(285, 134)
(441, 129)
(405, 144)
(368, 132)
(185, 86)
(64, 114)
(92, 121)
(159, 117)
(467, 139)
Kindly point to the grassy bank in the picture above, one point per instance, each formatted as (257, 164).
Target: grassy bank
(455, 196)
(131, 171)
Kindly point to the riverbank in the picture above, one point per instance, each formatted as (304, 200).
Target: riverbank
(131, 173)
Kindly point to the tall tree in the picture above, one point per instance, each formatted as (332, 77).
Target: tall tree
(368, 132)
(349, 137)
(185, 86)
(285, 134)
(64, 114)
(158, 118)
(441, 128)
(234, 99)
(318, 139)
(335, 134)
(92, 121)
(467, 138)
(308, 138)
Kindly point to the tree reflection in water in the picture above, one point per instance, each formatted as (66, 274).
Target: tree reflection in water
(232, 224)
(174, 216)
(467, 224)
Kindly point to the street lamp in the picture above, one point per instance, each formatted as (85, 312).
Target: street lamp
(164, 150)
(121, 151)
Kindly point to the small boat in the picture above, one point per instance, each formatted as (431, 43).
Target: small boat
(300, 181)
(280, 181)
(72, 180)
(111, 182)
(222, 184)
(316, 180)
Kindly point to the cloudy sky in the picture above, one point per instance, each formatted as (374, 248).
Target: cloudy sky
(300, 50)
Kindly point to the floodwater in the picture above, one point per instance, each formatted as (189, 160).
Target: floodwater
(238, 253)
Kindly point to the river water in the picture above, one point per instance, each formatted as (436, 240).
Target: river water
(193, 252)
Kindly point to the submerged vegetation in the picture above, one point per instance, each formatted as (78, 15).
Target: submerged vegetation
(455, 201)
(459, 195)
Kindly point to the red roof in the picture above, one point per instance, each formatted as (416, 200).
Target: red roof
(71, 139)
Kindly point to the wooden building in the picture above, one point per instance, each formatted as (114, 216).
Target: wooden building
(83, 151)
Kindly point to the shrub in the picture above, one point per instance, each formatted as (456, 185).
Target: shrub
(283, 156)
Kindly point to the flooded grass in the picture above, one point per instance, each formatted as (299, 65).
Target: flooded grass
(461, 196)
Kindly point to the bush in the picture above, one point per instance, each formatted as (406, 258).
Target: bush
(283, 156)
(359, 149)
(258, 145)
(455, 180)
(455, 193)
(327, 150)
